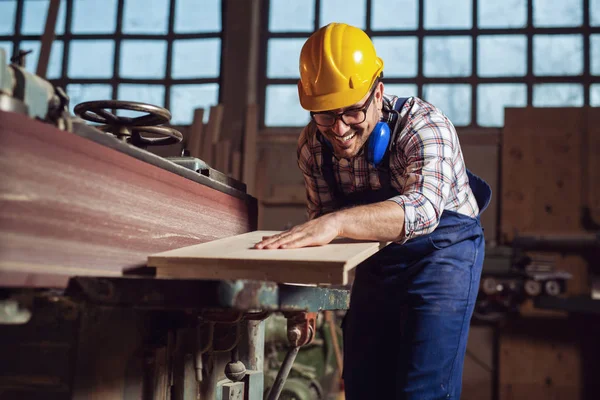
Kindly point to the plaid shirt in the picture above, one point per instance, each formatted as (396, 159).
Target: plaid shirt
(426, 167)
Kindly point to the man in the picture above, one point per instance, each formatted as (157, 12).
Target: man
(381, 168)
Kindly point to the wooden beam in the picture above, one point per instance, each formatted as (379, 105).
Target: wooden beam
(241, 33)
(47, 38)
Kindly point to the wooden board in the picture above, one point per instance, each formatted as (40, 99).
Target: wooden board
(194, 144)
(234, 258)
(542, 157)
(540, 359)
(549, 166)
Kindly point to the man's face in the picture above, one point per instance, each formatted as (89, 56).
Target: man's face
(348, 139)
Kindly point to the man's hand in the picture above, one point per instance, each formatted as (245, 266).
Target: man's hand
(316, 232)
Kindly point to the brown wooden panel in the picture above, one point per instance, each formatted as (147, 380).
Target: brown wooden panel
(71, 206)
(592, 175)
(540, 360)
(541, 171)
(549, 174)
(479, 364)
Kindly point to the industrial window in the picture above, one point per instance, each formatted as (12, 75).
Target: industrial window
(471, 58)
(163, 52)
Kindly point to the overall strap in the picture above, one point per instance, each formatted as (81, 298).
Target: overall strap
(383, 168)
(395, 124)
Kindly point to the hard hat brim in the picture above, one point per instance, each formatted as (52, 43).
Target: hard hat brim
(336, 100)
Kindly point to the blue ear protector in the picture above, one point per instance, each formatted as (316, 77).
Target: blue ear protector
(378, 142)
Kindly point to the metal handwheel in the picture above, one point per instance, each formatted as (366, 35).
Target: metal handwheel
(131, 130)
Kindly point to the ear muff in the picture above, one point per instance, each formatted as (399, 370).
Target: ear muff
(378, 143)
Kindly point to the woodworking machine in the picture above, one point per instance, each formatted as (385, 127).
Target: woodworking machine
(82, 205)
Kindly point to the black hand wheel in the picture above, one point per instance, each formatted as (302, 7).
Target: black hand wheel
(131, 129)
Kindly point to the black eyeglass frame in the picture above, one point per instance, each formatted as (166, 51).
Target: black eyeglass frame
(337, 116)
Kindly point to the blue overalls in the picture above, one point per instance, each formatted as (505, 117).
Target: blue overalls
(405, 333)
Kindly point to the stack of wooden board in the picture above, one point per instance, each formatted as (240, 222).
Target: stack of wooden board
(235, 258)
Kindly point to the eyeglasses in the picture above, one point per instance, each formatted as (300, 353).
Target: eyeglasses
(352, 116)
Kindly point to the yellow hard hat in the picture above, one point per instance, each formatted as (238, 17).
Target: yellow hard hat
(338, 67)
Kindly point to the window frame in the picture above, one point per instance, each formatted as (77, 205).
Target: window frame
(529, 79)
(117, 37)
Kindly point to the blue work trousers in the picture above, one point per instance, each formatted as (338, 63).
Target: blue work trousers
(405, 333)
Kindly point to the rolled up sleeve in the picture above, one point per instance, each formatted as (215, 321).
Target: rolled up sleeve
(423, 168)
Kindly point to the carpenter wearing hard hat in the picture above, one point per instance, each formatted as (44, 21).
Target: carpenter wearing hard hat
(381, 167)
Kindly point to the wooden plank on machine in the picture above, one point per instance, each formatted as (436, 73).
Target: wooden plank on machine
(234, 258)
(250, 134)
(223, 156)
(194, 144)
(236, 165)
(213, 131)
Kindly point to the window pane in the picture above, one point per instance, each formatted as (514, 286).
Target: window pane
(501, 55)
(191, 18)
(31, 59)
(447, 56)
(87, 92)
(291, 15)
(8, 48)
(149, 94)
(283, 58)
(399, 55)
(352, 12)
(595, 54)
(557, 95)
(444, 14)
(56, 60)
(196, 58)
(8, 11)
(35, 13)
(557, 13)
(84, 61)
(493, 98)
(146, 16)
(143, 59)
(394, 14)
(557, 55)
(92, 16)
(595, 12)
(502, 14)
(400, 89)
(595, 94)
(453, 100)
(54, 64)
(283, 107)
(186, 98)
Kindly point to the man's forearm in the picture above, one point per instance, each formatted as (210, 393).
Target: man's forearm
(382, 221)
